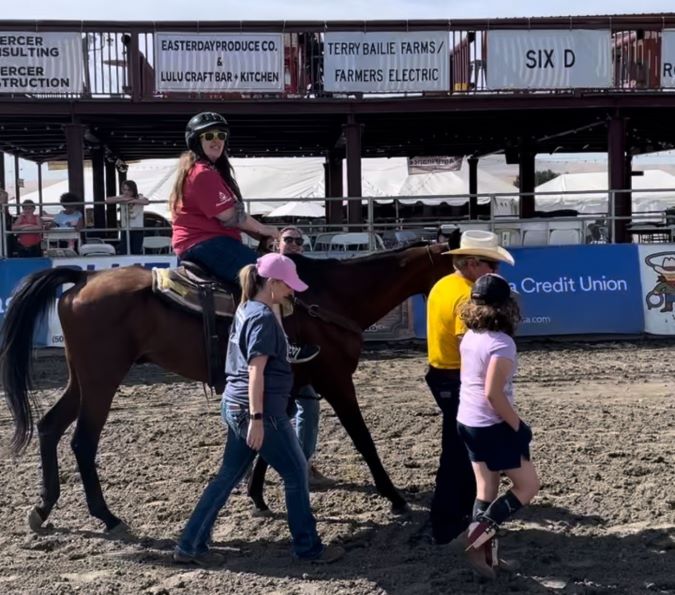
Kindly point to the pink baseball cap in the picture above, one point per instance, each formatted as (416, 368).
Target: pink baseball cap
(280, 267)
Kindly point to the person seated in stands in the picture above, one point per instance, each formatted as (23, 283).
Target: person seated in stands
(131, 217)
(208, 212)
(28, 244)
(69, 218)
(307, 401)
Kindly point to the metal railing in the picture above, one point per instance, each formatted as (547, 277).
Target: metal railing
(383, 225)
(119, 58)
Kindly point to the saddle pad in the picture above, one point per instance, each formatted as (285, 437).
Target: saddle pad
(175, 286)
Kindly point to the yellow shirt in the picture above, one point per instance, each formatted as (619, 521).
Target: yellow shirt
(444, 325)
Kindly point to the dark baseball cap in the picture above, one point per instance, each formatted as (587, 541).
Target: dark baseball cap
(491, 290)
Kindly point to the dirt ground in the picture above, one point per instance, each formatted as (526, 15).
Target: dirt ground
(603, 416)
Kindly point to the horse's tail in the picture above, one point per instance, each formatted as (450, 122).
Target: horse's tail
(28, 307)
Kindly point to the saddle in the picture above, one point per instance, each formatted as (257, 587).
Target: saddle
(194, 290)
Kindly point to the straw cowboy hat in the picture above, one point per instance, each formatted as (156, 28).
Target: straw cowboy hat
(476, 242)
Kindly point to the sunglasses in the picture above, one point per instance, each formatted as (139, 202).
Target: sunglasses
(219, 134)
(290, 240)
(492, 264)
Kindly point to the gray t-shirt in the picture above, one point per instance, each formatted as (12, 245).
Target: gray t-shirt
(255, 331)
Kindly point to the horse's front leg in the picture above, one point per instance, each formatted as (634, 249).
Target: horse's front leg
(256, 485)
(339, 391)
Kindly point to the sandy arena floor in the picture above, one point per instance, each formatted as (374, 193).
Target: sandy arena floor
(604, 423)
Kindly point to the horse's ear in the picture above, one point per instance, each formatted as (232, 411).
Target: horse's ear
(454, 238)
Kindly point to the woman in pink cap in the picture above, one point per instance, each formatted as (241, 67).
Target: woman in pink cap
(254, 405)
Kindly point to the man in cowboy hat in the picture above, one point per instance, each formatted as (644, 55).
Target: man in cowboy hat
(479, 253)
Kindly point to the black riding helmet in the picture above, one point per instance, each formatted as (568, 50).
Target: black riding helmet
(201, 123)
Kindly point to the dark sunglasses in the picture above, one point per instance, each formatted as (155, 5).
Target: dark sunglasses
(290, 240)
(219, 134)
(493, 264)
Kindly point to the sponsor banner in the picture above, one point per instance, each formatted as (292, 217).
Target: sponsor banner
(668, 58)
(657, 271)
(386, 62)
(549, 59)
(572, 290)
(37, 63)
(219, 62)
(12, 271)
(429, 165)
(54, 337)
(395, 326)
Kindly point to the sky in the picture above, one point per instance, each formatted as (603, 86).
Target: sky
(208, 10)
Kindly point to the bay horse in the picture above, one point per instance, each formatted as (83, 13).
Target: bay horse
(111, 319)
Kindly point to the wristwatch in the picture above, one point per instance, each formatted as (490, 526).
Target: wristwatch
(256, 415)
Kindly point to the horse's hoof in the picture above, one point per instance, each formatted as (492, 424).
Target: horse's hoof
(400, 509)
(35, 520)
(120, 532)
(261, 512)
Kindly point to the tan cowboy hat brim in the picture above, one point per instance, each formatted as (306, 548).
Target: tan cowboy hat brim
(496, 253)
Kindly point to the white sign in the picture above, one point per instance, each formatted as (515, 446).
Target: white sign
(219, 62)
(90, 263)
(668, 58)
(386, 62)
(549, 59)
(427, 165)
(35, 63)
(657, 274)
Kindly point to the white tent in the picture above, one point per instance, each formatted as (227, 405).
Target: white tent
(591, 192)
(271, 182)
(297, 208)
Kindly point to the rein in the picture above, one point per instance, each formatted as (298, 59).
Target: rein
(315, 311)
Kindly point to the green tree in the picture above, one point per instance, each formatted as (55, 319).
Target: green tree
(540, 177)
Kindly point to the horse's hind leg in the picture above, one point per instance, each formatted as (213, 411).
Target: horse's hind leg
(256, 484)
(50, 429)
(97, 395)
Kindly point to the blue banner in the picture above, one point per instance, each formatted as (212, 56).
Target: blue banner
(569, 290)
(11, 272)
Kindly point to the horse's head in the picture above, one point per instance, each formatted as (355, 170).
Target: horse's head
(441, 264)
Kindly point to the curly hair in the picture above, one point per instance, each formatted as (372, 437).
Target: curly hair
(481, 317)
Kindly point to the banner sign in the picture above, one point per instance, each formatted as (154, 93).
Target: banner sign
(35, 63)
(657, 270)
(572, 290)
(578, 290)
(549, 59)
(668, 58)
(386, 62)
(90, 263)
(219, 62)
(428, 165)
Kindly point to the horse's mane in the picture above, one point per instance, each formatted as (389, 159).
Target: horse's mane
(314, 270)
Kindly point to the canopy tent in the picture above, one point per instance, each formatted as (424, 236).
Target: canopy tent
(271, 182)
(299, 208)
(592, 192)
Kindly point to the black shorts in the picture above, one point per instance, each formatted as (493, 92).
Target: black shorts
(498, 446)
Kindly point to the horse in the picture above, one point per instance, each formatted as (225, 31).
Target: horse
(112, 319)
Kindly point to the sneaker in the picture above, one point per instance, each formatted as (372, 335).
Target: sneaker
(480, 532)
(331, 553)
(299, 354)
(207, 559)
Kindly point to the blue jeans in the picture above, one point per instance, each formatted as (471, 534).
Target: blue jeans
(223, 257)
(307, 420)
(282, 451)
